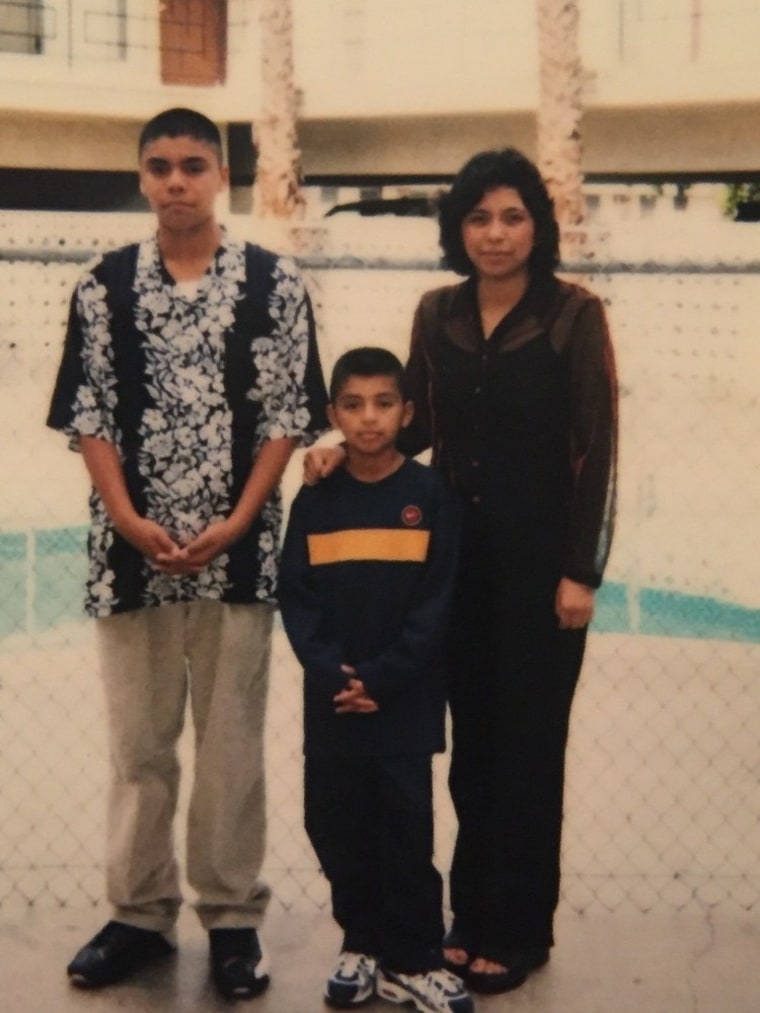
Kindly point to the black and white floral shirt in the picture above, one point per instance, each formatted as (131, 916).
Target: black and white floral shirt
(187, 386)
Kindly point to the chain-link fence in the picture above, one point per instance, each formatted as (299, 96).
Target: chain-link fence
(663, 794)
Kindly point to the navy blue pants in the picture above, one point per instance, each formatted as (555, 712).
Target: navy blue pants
(370, 821)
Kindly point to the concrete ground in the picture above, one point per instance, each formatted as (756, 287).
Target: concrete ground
(603, 963)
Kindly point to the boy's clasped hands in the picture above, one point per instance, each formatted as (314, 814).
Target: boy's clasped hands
(353, 699)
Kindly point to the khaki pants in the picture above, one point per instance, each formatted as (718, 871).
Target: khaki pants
(149, 661)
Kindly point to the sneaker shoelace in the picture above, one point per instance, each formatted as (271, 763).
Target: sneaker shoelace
(351, 964)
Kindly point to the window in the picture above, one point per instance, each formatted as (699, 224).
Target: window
(92, 30)
(21, 26)
(193, 41)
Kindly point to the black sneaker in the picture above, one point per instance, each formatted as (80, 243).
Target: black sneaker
(352, 982)
(438, 991)
(239, 966)
(114, 953)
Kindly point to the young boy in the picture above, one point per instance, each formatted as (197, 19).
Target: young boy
(366, 578)
(189, 372)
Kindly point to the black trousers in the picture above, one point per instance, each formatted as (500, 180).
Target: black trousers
(370, 821)
(513, 675)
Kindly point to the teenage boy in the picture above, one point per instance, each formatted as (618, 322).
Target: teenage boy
(189, 373)
(366, 578)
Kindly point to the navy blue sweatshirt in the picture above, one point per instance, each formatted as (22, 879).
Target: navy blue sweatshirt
(366, 579)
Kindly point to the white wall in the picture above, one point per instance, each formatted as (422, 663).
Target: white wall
(393, 57)
(77, 78)
(414, 86)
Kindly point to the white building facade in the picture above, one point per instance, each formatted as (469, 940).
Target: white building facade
(388, 88)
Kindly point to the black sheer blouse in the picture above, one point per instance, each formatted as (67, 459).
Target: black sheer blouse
(524, 423)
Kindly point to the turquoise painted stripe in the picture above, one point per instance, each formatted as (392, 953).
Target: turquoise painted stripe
(59, 573)
(612, 614)
(13, 605)
(674, 614)
(670, 613)
(61, 541)
(12, 546)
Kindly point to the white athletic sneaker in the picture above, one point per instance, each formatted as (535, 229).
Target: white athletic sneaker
(434, 992)
(352, 981)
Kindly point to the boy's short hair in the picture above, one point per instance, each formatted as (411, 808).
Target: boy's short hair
(367, 361)
(179, 122)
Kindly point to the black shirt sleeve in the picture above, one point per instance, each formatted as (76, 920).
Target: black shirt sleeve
(593, 446)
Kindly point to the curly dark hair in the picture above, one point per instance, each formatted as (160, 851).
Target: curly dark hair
(486, 171)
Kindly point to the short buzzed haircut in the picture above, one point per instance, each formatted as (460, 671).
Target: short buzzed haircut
(367, 361)
(181, 122)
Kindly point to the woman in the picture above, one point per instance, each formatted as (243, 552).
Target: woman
(512, 375)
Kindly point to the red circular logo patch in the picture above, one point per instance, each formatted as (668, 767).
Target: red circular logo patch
(411, 516)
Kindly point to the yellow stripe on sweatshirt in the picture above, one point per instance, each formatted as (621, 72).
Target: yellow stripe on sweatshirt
(393, 545)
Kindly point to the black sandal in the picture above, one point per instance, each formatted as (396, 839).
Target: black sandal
(454, 940)
(518, 964)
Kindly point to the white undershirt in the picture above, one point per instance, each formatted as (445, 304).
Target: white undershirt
(187, 289)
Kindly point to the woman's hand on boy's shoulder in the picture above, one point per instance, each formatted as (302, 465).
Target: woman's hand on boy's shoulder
(319, 462)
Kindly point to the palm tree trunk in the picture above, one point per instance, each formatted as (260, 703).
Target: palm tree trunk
(278, 174)
(560, 110)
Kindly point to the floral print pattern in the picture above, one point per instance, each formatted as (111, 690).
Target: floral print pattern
(184, 428)
(185, 437)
